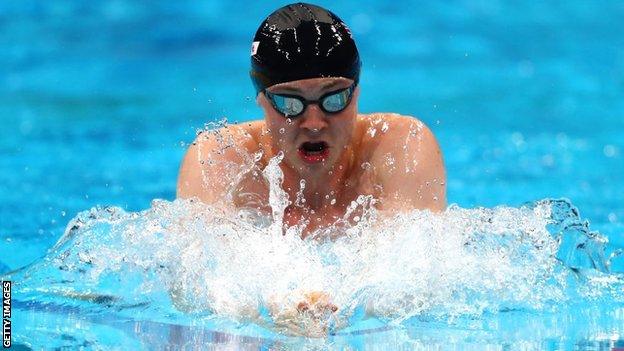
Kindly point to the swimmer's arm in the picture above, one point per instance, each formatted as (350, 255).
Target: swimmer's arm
(209, 162)
(410, 168)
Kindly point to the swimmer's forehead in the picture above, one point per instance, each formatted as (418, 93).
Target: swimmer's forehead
(315, 84)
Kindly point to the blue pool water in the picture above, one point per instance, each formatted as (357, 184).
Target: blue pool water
(98, 100)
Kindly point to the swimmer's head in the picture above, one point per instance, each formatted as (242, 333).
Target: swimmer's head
(305, 68)
(302, 41)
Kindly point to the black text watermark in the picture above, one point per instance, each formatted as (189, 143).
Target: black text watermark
(6, 314)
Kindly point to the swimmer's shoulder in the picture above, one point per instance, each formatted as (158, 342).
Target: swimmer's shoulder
(384, 129)
(382, 121)
(256, 131)
(246, 135)
(407, 161)
(212, 150)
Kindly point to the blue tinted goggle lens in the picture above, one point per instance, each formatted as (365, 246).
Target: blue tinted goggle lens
(293, 105)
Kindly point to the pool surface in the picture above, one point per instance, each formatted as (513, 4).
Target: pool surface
(98, 101)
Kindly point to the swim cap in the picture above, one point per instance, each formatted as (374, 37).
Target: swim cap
(301, 41)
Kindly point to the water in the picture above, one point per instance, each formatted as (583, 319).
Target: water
(525, 100)
(195, 265)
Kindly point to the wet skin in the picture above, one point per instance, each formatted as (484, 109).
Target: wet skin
(394, 158)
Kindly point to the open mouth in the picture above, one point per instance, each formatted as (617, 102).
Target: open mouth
(313, 152)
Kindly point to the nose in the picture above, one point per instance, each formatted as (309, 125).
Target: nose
(313, 119)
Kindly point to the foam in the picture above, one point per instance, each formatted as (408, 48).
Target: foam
(187, 257)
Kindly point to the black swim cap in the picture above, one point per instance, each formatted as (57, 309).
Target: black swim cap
(301, 41)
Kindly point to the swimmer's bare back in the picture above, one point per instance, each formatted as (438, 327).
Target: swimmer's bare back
(394, 158)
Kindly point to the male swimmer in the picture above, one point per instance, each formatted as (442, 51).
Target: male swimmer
(305, 68)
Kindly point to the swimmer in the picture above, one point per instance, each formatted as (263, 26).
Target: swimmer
(305, 68)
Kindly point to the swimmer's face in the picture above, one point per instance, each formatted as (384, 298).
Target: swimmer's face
(315, 139)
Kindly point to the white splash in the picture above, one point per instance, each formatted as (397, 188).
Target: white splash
(194, 258)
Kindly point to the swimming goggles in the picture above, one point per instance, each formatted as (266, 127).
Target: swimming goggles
(294, 105)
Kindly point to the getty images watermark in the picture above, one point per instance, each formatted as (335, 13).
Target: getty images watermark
(6, 314)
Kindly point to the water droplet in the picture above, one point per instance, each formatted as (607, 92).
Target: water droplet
(289, 120)
(282, 130)
(384, 127)
(333, 202)
(257, 156)
(612, 217)
(389, 160)
(610, 150)
(372, 131)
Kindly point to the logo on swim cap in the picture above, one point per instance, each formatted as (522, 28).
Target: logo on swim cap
(301, 41)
